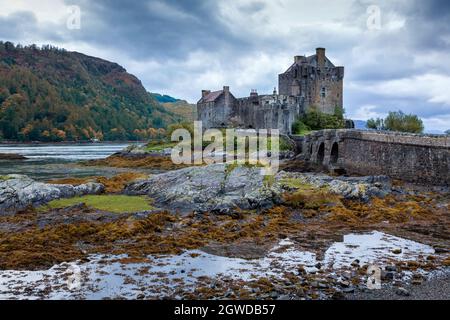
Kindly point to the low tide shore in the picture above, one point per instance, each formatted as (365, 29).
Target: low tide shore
(223, 232)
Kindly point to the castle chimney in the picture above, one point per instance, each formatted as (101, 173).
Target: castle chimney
(320, 54)
(299, 59)
(254, 93)
(205, 93)
(226, 89)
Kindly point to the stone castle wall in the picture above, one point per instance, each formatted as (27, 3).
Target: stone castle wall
(408, 157)
(268, 111)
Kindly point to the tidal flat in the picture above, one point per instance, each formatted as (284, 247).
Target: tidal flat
(302, 236)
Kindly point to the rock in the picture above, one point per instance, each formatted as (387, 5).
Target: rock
(216, 188)
(391, 268)
(348, 290)
(387, 276)
(402, 292)
(397, 251)
(17, 192)
(347, 275)
(323, 285)
(12, 156)
(355, 263)
(284, 297)
(300, 292)
(417, 282)
(338, 295)
(417, 279)
(344, 283)
(274, 295)
(358, 188)
(301, 270)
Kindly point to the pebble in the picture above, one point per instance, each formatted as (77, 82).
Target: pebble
(274, 295)
(348, 290)
(300, 292)
(301, 270)
(391, 268)
(402, 292)
(344, 284)
(417, 282)
(397, 251)
(387, 276)
(355, 263)
(338, 295)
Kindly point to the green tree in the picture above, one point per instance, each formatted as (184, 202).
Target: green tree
(376, 124)
(397, 121)
(447, 132)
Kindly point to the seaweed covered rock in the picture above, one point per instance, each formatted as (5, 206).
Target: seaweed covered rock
(18, 192)
(217, 188)
(356, 188)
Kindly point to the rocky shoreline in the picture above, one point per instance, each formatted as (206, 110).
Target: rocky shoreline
(17, 192)
(290, 233)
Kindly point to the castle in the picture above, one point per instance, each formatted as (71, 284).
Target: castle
(310, 81)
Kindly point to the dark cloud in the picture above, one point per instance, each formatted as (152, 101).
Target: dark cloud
(161, 29)
(180, 47)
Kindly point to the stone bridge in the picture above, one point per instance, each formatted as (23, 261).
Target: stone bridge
(408, 157)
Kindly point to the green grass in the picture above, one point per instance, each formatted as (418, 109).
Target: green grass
(110, 203)
(159, 146)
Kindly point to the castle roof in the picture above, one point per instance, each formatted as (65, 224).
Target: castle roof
(211, 97)
(311, 61)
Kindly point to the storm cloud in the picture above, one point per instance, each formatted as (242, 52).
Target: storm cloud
(180, 47)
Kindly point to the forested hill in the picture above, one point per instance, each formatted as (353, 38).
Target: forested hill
(49, 94)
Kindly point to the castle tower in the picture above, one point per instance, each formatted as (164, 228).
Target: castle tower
(315, 80)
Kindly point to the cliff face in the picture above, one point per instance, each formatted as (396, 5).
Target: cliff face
(49, 94)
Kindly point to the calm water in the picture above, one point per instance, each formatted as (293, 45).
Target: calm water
(48, 161)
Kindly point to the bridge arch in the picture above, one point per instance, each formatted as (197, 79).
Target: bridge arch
(334, 154)
(321, 153)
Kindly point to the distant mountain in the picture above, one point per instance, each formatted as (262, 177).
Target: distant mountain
(164, 98)
(360, 124)
(49, 94)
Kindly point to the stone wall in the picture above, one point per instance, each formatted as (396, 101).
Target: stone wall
(267, 112)
(408, 157)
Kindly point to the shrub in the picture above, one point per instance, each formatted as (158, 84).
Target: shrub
(314, 119)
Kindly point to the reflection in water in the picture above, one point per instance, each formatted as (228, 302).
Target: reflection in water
(108, 277)
(48, 161)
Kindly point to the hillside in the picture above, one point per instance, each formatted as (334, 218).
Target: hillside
(49, 94)
(183, 109)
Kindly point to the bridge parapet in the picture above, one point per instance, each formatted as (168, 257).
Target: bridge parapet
(409, 157)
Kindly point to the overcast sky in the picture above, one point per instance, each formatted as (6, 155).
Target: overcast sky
(178, 47)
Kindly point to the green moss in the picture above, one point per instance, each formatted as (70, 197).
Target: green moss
(269, 180)
(296, 184)
(110, 203)
(5, 178)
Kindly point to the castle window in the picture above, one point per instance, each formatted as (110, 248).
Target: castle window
(323, 92)
(295, 73)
